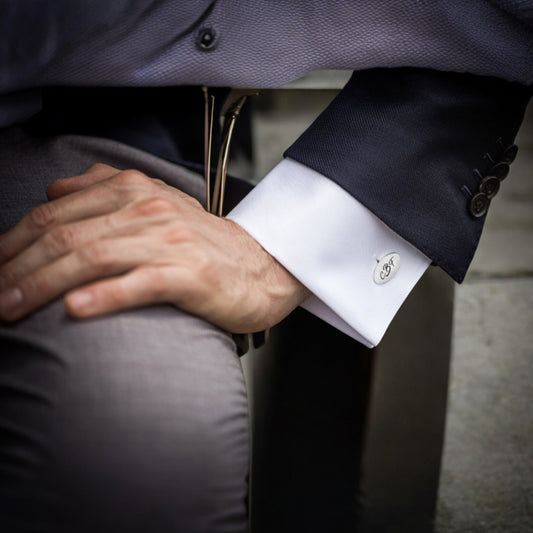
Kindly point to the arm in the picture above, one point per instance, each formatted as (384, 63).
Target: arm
(405, 144)
(332, 244)
(308, 149)
(166, 295)
(113, 239)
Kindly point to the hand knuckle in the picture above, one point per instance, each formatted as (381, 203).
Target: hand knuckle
(8, 276)
(157, 281)
(153, 206)
(95, 256)
(60, 240)
(36, 285)
(99, 167)
(43, 216)
(117, 293)
(131, 178)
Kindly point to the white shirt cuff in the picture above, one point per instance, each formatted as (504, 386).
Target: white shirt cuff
(332, 244)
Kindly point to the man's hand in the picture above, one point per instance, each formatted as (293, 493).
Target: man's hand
(114, 239)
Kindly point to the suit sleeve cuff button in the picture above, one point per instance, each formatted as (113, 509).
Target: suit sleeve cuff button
(490, 186)
(500, 171)
(479, 205)
(509, 154)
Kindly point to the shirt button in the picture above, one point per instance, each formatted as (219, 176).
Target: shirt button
(490, 186)
(509, 154)
(206, 39)
(479, 205)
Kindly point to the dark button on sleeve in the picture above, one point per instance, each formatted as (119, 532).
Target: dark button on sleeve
(499, 171)
(489, 186)
(206, 39)
(509, 154)
(479, 204)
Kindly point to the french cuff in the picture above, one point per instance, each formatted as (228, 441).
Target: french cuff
(358, 270)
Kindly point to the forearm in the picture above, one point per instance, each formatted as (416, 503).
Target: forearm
(334, 246)
(401, 159)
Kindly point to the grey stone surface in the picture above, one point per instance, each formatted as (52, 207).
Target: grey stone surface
(487, 471)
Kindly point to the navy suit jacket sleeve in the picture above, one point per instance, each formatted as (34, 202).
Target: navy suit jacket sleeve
(414, 146)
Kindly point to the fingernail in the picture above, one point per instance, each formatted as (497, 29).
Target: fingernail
(80, 299)
(10, 299)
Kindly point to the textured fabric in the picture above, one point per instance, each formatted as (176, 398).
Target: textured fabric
(521, 9)
(407, 142)
(258, 43)
(134, 422)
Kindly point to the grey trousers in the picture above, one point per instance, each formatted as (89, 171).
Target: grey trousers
(135, 422)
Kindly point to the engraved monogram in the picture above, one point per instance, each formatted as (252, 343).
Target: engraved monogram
(386, 268)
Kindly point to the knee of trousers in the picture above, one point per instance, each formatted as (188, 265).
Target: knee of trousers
(134, 422)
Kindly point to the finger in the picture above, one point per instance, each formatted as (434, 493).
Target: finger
(87, 203)
(140, 287)
(96, 260)
(94, 174)
(133, 219)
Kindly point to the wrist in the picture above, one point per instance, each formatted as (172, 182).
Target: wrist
(275, 290)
